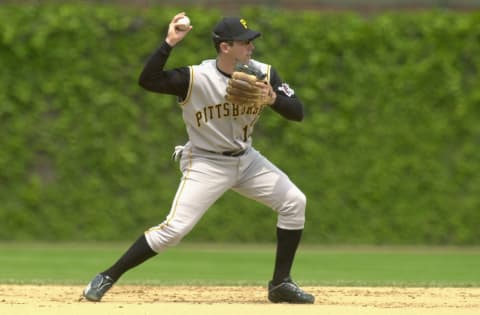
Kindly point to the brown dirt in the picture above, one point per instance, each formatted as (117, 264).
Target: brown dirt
(123, 299)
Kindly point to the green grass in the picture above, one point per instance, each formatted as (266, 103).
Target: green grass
(217, 264)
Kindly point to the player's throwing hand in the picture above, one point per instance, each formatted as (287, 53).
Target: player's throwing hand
(177, 30)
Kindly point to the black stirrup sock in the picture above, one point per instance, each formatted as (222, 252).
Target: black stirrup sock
(138, 253)
(287, 244)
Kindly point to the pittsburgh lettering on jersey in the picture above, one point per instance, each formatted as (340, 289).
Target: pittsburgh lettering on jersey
(220, 111)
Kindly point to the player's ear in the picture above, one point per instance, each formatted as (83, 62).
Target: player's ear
(225, 46)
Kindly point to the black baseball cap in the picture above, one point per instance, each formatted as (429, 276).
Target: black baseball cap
(233, 28)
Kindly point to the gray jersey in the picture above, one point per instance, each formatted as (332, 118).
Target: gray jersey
(212, 123)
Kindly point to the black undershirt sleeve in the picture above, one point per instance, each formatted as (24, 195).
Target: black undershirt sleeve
(289, 107)
(154, 78)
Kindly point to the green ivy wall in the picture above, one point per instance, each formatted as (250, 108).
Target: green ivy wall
(388, 152)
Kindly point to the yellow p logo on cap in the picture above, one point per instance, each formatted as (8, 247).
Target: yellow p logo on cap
(244, 23)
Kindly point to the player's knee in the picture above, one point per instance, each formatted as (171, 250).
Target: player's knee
(296, 202)
(299, 212)
(301, 201)
(166, 235)
(292, 214)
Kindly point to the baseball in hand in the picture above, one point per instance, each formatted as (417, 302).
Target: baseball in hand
(183, 23)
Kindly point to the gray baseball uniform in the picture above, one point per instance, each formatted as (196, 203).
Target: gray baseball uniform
(219, 156)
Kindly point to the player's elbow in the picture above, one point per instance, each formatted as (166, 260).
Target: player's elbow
(143, 81)
(147, 85)
(146, 80)
(298, 114)
(295, 110)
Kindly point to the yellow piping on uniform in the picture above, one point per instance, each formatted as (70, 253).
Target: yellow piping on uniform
(190, 85)
(174, 209)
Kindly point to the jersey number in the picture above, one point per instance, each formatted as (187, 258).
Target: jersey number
(245, 133)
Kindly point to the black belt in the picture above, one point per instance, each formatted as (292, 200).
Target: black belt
(233, 153)
(230, 153)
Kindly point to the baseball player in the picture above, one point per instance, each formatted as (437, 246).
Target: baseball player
(220, 111)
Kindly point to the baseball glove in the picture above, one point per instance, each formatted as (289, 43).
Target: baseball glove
(249, 86)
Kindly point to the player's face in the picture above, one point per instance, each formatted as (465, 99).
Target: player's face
(242, 50)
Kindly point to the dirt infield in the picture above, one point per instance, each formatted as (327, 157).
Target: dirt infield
(52, 300)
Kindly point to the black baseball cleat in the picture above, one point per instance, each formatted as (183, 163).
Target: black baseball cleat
(288, 292)
(98, 287)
